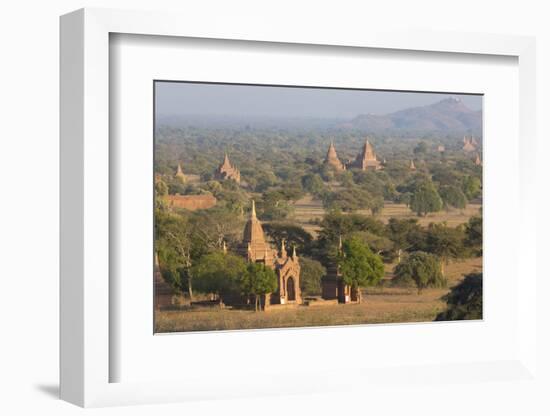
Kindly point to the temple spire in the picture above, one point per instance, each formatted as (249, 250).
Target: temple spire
(294, 256)
(283, 249)
(253, 211)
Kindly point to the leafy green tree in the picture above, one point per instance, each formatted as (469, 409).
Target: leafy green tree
(218, 273)
(452, 196)
(311, 273)
(176, 249)
(465, 300)
(348, 199)
(471, 186)
(258, 280)
(378, 244)
(313, 183)
(421, 148)
(425, 199)
(422, 269)
(445, 242)
(405, 234)
(294, 235)
(360, 267)
(474, 234)
(161, 188)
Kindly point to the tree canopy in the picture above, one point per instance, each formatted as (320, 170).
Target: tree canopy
(425, 199)
(360, 267)
(258, 280)
(218, 273)
(465, 300)
(422, 269)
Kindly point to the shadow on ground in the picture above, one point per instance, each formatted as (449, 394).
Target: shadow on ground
(51, 390)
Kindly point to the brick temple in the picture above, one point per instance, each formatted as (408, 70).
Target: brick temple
(287, 267)
(365, 160)
(227, 171)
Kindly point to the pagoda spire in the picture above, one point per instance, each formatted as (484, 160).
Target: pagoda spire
(283, 249)
(294, 255)
(253, 210)
(179, 173)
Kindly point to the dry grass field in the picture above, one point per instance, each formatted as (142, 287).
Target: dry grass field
(380, 305)
(307, 209)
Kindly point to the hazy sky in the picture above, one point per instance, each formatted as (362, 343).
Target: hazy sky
(178, 98)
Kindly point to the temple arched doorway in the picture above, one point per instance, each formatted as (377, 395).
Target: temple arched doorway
(290, 289)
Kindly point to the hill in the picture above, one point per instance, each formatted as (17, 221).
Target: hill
(446, 116)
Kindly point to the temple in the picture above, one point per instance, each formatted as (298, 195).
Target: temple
(470, 144)
(179, 173)
(333, 285)
(227, 171)
(477, 161)
(255, 249)
(332, 159)
(412, 166)
(366, 160)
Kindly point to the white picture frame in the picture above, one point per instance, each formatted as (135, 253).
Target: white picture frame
(86, 265)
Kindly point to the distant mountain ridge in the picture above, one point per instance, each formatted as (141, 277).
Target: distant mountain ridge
(448, 115)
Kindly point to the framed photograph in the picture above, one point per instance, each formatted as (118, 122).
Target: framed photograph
(302, 214)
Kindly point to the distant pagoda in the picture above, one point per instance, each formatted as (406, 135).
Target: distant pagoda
(412, 166)
(366, 160)
(227, 171)
(332, 159)
(477, 160)
(179, 173)
(469, 144)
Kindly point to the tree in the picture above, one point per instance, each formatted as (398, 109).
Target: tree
(425, 199)
(405, 234)
(421, 269)
(294, 235)
(465, 300)
(474, 234)
(218, 273)
(445, 242)
(348, 199)
(258, 280)
(378, 244)
(471, 186)
(311, 273)
(313, 183)
(174, 244)
(452, 196)
(421, 148)
(360, 267)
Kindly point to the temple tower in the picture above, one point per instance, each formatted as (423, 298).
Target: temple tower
(469, 144)
(255, 249)
(179, 173)
(412, 167)
(477, 160)
(332, 159)
(366, 160)
(227, 171)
